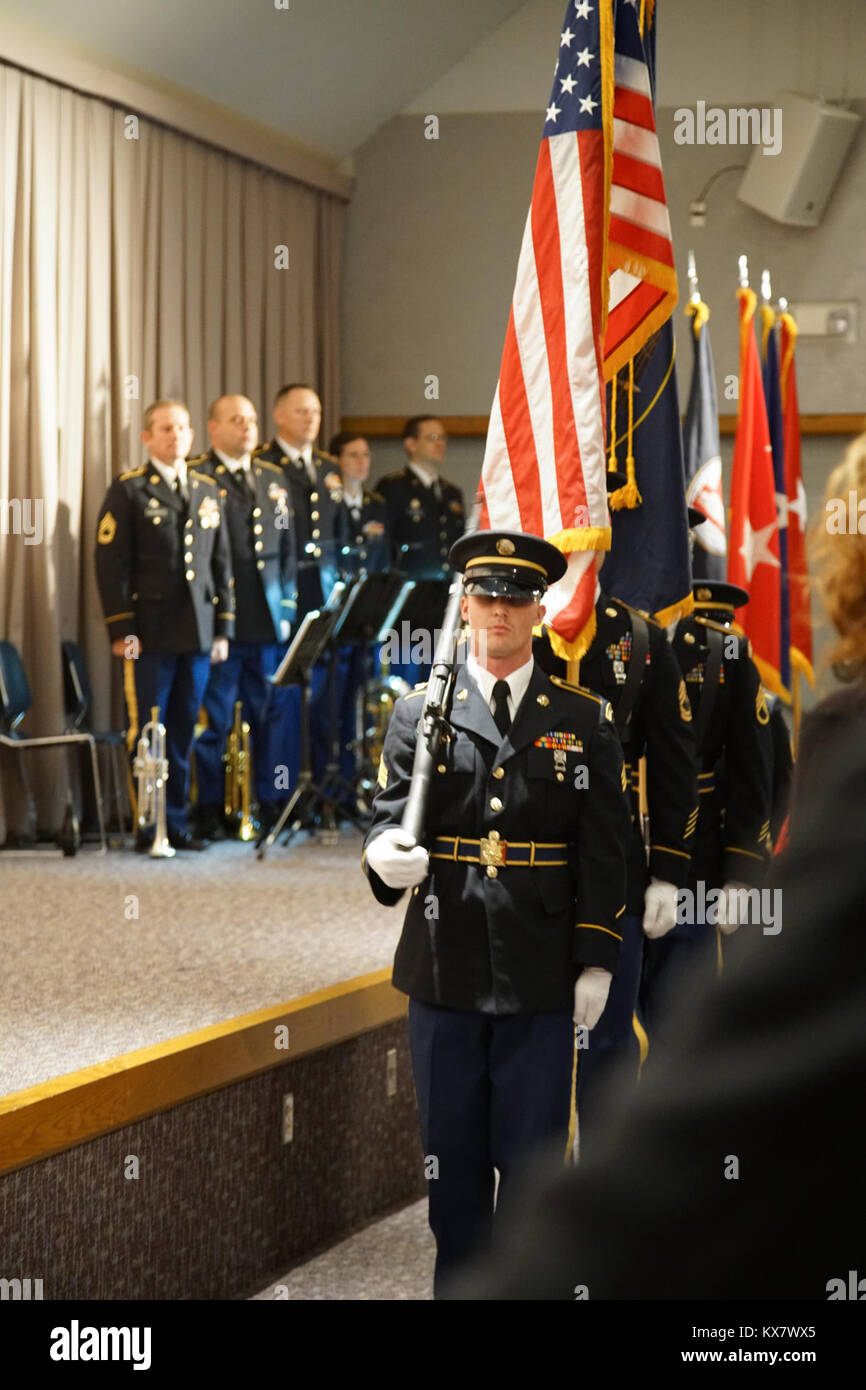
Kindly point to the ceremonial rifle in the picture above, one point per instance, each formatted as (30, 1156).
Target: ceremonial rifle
(437, 702)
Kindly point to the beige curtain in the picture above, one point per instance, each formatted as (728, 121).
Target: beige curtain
(134, 263)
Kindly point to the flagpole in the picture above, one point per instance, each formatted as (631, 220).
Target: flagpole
(798, 708)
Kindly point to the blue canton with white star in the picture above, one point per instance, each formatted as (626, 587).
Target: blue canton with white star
(575, 102)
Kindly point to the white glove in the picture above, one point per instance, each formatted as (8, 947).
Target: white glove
(397, 859)
(590, 995)
(728, 909)
(659, 908)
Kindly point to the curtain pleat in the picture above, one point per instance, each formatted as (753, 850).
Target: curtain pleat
(130, 268)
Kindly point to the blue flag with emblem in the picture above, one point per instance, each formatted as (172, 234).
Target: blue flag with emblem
(702, 454)
(648, 564)
(773, 397)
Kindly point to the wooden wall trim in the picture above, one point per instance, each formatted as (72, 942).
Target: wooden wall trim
(475, 426)
(68, 1110)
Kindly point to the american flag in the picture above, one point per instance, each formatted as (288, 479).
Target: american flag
(544, 462)
(640, 257)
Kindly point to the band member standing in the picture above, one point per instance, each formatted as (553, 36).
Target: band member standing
(366, 548)
(513, 927)
(163, 567)
(317, 502)
(366, 541)
(426, 514)
(260, 521)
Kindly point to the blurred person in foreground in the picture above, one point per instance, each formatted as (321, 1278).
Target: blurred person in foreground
(734, 1172)
(839, 551)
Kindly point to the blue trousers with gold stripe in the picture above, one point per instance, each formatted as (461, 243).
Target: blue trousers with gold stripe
(176, 684)
(243, 677)
(613, 1043)
(491, 1090)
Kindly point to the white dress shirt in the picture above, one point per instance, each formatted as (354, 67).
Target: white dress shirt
(518, 682)
(168, 472)
(353, 492)
(426, 475)
(234, 465)
(304, 455)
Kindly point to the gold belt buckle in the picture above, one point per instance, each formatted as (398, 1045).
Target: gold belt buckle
(492, 850)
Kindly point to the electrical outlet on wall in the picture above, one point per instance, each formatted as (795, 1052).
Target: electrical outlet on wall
(288, 1118)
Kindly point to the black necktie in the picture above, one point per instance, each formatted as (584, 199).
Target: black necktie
(500, 706)
(179, 488)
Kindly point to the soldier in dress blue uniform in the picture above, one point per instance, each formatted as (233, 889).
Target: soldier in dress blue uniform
(631, 664)
(366, 549)
(317, 501)
(163, 567)
(426, 514)
(317, 497)
(260, 520)
(512, 932)
(734, 754)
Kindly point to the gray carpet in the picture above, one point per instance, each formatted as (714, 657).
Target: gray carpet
(392, 1259)
(217, 935)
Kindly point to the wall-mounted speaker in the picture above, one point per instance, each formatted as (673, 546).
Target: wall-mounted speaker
(794, 185)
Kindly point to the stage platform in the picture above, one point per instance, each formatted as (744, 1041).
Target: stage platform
(222, 1027)
(104, 955)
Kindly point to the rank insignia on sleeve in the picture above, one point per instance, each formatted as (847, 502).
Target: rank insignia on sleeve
(382, 777)
(685, 707)
(761, 707)
(209, 513)
(107, 529)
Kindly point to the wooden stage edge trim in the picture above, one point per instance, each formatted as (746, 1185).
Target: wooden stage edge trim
(475, 426)
(68, 1110)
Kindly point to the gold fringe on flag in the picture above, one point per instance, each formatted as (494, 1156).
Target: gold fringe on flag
(699, 313)
(628, 495)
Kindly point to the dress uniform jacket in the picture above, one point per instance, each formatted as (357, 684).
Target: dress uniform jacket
(319, 522)
(734, 754)
(163, 566)
(422, 525)
(658, 725)
(500, 939)
(366, 543)
(261, 528)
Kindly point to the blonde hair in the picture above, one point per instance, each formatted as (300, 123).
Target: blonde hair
(841, 561)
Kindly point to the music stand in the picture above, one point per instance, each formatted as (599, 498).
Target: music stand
(296, 668)
(360, 624)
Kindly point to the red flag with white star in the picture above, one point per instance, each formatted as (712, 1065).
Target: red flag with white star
(753, 551)
(798, 569)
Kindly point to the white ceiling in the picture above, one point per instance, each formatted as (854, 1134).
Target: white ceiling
(326, 72)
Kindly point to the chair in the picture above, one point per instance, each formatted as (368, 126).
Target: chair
(15, 701)
(78, 702)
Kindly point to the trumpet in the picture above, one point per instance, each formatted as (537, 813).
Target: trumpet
(151, 769)
(238, 774)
